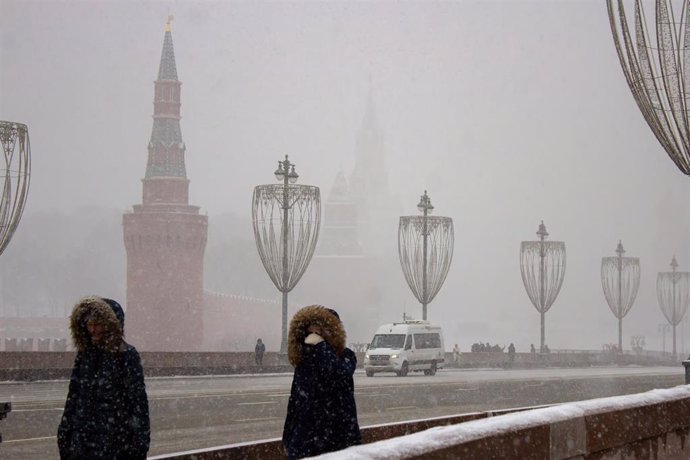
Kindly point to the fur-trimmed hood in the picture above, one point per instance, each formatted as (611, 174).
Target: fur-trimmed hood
(332, 331)
(107, 312)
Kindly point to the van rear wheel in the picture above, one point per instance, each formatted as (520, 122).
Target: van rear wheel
(369, 374)
(403, 370)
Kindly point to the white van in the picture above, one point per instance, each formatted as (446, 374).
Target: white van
(402, 347)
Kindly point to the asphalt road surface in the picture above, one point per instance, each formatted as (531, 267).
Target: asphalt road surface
(195, 412)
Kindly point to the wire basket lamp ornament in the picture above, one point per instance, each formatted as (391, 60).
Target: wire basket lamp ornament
(542, 264)
(620, 279)
(286, 219)
(658, 70)
(673, 293)
(425, 247)
(15, 177)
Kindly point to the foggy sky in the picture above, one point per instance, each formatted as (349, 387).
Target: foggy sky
(506, 112)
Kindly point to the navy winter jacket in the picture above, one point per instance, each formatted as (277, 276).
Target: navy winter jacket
(106, 414)
(321, 414)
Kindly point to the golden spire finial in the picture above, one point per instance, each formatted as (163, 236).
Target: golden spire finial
(168, 24)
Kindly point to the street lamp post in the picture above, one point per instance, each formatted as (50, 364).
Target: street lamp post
(683, 331)
(620, 279)
(425, 248)
(657, 74)
(286, 219)
(14, 180)
(14, 177)
(542, 265)
(656, 71)
(663, 328)
(426, 208)
(673, 293)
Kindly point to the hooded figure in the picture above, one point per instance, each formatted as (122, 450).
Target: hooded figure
(106, 413)
(259, 351)
(321, 413)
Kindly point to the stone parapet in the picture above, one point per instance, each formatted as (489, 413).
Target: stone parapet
(555, 359)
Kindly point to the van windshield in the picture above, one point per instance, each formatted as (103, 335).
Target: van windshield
(387, 341)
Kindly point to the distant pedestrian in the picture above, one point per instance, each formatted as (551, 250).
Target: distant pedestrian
(511, 352)
(546, 349)
(456, 354)
(259, 351)
(321, 414)
(531, 348)
(106, 414)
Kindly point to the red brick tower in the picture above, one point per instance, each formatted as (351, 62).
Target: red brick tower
(164, 236)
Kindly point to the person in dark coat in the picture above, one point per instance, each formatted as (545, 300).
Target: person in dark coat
(321, 413)
(511, 352)
(106, 414)
(259, 351)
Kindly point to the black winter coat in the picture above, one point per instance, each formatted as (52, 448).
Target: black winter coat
(321, 414)
(106, 414)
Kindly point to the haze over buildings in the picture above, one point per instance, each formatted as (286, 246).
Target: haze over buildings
(506, 112)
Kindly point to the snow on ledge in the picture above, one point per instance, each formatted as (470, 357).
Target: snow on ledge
(446, 436)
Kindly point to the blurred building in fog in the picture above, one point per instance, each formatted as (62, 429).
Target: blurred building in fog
(341, 275)
(356, 256)
(377, 210)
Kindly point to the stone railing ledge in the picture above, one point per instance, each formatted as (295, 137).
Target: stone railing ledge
(620, 424)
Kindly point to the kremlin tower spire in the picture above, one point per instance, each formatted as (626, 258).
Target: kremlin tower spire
(370, 176)
(369, 181)
(166, 176)
(165, 237)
